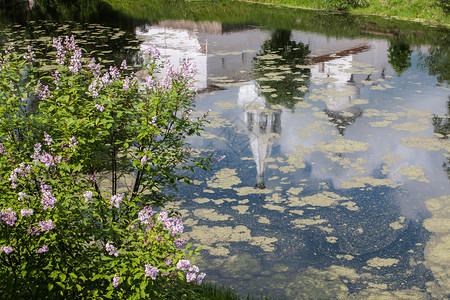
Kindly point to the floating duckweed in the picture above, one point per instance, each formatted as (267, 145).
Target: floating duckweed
(303, 223)
(414, 173)
(201, 200)
(426, 142)
(242, 209)
(378, 262)
(263, 220)
(350, 205)
(410, 126)
(360, 182)
(380, 124)
(331, 239)
(225, 105)
(225, 179)
(342, 145)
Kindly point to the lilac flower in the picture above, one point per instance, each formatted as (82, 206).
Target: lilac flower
(126, 84)
(60, 52)
(143, 160)
(37, 151)
(168, 262)
(183, 265)
(200, 278)
(123, 66)
(22, 196)
(114, 72)
(99, 107)
(33, 231)
(30, 55)
(145, 214)
(116, 280)
(151, 271)
(2, 149)
(87, 196)
(95, 87)
(111, 250)
(26, 212)
(48, 138)
(75, 61)
(191, 276)
(73, 142)
(56, 79)
(46, 159)
(46, 225)
(42, 91)
(94, 67)
(153, 52)
(179, 242)
(194, 269)
(6, 249)
(149, 82)
(43, 249)
(8, 216)
(48, 200)
(69, 43)
(116, 200)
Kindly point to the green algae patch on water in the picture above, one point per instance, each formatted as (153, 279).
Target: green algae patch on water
(226, 105)
(410, 127)
(304, 223)
(342, 145)
(428, 143)
(225, 179)
(378, 262)
(414, 173)
(361, 182)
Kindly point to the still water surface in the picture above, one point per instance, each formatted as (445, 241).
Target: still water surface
(331, 170)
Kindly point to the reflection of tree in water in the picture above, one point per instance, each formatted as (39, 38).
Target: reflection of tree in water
(442, 127)
(287, 81)
(399, 54)
(437, 62)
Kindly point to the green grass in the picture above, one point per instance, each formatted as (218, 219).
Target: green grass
(426, 11)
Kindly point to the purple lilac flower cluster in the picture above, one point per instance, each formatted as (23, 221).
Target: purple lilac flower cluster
(6, 249)
(116, 200)
(193, 271)
(145, 214)
(46, 225)
(48, 200)
(116, 280)
(174, 224)
(22, 171)
(111, 250)
(43, 249)
(151, 271)
(8, 216)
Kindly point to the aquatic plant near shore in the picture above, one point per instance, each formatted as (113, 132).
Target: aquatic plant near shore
(70, 227)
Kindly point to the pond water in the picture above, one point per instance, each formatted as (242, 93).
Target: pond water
(331, 163)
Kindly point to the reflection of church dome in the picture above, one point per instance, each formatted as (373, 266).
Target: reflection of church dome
(342, 118)
(262, 123)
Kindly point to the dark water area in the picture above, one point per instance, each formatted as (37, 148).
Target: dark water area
(329, 135)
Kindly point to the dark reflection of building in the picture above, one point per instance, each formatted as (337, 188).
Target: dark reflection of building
(263, 125)
(347, 113)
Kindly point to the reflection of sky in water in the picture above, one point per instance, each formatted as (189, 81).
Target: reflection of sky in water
(351, 199)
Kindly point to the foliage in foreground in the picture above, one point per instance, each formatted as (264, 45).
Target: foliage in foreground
(84, 154)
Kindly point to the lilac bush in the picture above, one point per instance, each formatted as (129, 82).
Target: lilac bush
(71, 225)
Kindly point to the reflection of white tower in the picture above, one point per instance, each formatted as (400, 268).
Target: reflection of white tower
(341, 90)
(176, 45)
(262, 125)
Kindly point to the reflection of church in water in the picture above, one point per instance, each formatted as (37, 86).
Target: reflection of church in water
(263, 124)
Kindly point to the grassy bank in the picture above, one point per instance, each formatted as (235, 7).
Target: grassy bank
(425, 11)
